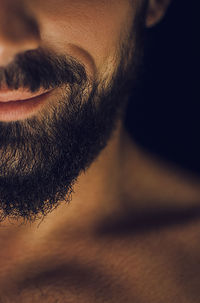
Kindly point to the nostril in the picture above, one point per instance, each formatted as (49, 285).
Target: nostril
(19, 29)
(19, 32)
(22, 28)
(17, 25)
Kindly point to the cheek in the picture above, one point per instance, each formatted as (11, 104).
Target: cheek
(95, 26)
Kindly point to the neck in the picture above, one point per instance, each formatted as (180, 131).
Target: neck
(99, 189)
(123, 178)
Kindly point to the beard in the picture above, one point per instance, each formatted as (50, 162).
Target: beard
(41, 157)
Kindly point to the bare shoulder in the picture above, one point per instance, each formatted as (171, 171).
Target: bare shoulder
(146, 250)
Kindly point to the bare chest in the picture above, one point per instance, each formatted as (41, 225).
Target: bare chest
(160, 265)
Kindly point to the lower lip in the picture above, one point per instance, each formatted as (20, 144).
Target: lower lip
(22, 109)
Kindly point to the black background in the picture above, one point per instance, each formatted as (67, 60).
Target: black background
(163, 115)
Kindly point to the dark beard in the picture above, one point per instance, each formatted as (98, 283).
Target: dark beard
(41, 159)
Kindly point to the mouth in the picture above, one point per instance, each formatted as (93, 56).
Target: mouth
(20, 104)
(13, 96)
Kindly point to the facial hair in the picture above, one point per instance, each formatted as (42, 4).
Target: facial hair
(41, 157)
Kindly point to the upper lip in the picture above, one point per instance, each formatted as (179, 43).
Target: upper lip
(16, 95)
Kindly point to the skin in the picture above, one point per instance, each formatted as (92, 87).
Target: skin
(78, 251)
(89, 79)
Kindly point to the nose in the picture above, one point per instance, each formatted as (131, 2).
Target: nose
(19, 30)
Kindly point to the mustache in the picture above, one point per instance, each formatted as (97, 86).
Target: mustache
(41, 69)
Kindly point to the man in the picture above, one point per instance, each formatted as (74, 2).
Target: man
(78, 200)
